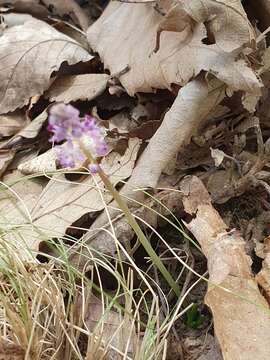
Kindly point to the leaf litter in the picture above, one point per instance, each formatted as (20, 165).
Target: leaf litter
(181, 90)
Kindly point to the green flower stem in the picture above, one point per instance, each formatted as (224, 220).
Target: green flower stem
(135, 226)
(138, 231)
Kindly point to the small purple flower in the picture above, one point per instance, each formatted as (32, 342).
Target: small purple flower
(89, 123)
(94, 168)
(69, 154)
(64, 122)
(80, 133)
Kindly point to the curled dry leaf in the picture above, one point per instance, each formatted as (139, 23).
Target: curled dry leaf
(77, 87)
(233, 294)
(192, 104)
(29, 54)
(218, 156)
(30, 131)
(62, 202)
(45, 8)
(11, 124)
(226, 20)
(180, 58)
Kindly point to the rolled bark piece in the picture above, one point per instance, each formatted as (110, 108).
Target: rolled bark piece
(241, 314)
(192, 104)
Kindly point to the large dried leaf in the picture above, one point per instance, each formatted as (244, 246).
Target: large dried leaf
(226, 20)
(191, 106)
(181, 56)
(62, 202)
(17, 198)
(77, 87)
(29, 54)
(233, 294)
(42, 9)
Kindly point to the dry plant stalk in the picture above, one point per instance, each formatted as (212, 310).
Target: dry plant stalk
(233, 294)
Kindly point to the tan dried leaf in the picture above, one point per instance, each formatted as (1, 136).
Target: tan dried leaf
(6, 156)
(29, 54)
(192, 104)
(226, 20)
(11, 351)
(17, 198)
(14, 19)
(62, 202)
(232, 295)
(113, 329)
(43, 163)
(30, 131)
(181, 56)
(34, 127)
(42, 9)
(11, 124)
(77, 87)
(218, 156)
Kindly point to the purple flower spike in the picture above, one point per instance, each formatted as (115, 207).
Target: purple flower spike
(94, 168)
(70, 155)
(89, 123)
(80, 133)
(64, 122)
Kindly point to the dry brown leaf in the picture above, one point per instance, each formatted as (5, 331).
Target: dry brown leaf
(181, 56)
(16, 201)
(6, 156)
(250, 100)
(45, 162)
(34, 127)
(218, 156)
(111, 327)
(45, 8)
(11, 351)
(11, 124)
(146, 130)
(14, 19)
(192, 104)
(76, 199)
(29, 132)
(227, 21)
(77, 87)
(29, 54)
(236, 301)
